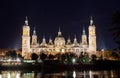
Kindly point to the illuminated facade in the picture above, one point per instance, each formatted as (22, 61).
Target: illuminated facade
(60, 45)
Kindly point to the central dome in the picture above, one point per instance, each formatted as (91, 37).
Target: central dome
(59, 40)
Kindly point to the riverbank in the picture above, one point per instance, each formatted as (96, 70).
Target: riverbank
(97, 65)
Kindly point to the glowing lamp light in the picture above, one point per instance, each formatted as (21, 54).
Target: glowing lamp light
(9, 60)
(73, 60)
(18, 60)
(63, 50)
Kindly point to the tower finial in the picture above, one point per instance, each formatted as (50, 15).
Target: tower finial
(68, 36)
(26, 21)
(44, 38)
(50, 41)
(83, 30)
(34, 31)
(74, 36)
(91, 20)
(68, 41)
(59, 32)
(59, 29)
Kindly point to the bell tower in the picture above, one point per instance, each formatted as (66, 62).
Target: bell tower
(25, 39)
(92, 36)
(84, 40)
(34, 37)
(84, 37)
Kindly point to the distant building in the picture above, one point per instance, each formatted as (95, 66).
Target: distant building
(60, 45)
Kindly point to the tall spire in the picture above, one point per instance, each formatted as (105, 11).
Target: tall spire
(75, 43)
(50, 41)
(34, 31)
(68, 41)
(83, 30)
(59, 32)
(91, 21)
(26, 21)
(43, 42)
(44, 38)
(59, 29)
(75, 39)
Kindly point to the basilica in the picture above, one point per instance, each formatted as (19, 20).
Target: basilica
(31, 45)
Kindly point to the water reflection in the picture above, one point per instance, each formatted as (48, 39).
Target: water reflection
(64, 74)
(74, 74)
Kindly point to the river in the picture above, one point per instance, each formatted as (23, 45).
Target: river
(61, 74)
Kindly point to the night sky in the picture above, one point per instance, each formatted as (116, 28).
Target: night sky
(48, 16)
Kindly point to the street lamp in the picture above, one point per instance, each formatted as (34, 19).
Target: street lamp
(9, 60)
(18, 60)
(73, 60)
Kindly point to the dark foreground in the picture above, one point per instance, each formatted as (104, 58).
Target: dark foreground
(48, 66)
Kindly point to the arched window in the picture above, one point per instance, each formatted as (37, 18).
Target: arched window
(77, 50)
(25, 42)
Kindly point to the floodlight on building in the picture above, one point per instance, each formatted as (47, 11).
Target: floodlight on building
(63, 50)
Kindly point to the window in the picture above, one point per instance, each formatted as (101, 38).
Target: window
(25, 42)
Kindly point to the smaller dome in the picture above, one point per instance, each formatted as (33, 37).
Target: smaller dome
(43, 44)
(59, 40)
(75, 43)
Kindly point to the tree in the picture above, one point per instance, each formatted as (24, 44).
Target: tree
(43, 56)
(58, 55)
(20, 56)
(84, 57)
(94, 57)
(115, 55)
(34, 56)
(11, 54)
(51, 56)
(116, 28)
(63, 57)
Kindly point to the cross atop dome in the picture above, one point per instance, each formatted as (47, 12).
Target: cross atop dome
(50, 41)
(83, 30)
(75, 39)
(34, 31)
(26, 21)
(91, 20)
(68, 41)
(59, 32)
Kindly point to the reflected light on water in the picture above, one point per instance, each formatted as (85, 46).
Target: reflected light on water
(9, 75)
(65, 74)
(18, 75)
(90, 73)
(0, 76)
(74, 74)
(84, 74)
